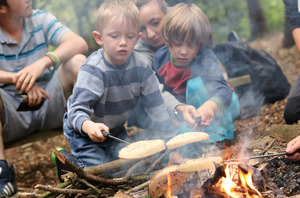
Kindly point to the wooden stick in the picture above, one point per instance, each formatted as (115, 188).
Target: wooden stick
(156, 161)
(82, 174)
(136, 188)
(64, 191)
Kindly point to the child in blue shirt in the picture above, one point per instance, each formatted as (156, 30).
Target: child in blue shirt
(189, 70)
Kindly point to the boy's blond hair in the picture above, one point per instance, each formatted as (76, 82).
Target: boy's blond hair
(187, 22)
(112, 9)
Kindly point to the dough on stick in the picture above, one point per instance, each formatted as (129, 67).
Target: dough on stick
(142, 149)
(200, 164)
(186, 138)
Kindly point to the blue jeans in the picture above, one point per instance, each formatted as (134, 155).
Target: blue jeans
(221, 128)
(89, 153)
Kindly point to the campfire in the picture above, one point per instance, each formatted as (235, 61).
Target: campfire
(227, 180)
(243, 186)
(201, 176)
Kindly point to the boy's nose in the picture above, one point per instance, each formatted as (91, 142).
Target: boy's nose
(183, 50)
(123, 41)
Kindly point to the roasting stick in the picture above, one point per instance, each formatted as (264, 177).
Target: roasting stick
(106, 134)
(198, 120)
(263, 156)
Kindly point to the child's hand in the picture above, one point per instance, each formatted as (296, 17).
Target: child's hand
(188, 113)
(93, 130)
(207, 112)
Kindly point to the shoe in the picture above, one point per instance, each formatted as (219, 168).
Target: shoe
(60, 167)
(8, 185)
(232, 36)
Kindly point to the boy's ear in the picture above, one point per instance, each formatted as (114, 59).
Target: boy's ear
(139, 36)
(3, 9)
(97, 37)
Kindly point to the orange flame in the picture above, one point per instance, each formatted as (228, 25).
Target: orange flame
(229, 187)
(169, 189)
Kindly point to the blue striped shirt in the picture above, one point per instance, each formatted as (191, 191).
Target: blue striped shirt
(40, 30)
(107, 94)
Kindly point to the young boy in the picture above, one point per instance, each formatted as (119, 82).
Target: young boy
(109, 86)
(189, 70)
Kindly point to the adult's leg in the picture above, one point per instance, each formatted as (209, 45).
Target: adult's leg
(292, 107)
(68, 73)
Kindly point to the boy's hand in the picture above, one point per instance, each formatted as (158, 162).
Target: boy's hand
(35, 95)
(25, 78)
(93, 130)
(207, 113)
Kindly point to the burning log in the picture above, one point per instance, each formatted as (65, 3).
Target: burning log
(167, 181)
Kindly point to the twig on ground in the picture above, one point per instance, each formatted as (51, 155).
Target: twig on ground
(64, 191)
(136, 188)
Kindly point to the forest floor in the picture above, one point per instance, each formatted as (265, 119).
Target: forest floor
(33, 163)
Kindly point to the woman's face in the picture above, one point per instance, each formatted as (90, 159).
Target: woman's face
(151, 24)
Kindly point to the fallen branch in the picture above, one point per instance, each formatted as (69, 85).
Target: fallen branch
(64, 191)
(95, 189)
(85, 175)
(28, 195)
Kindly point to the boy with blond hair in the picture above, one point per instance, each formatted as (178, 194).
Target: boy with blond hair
(109, 86)
(189, 70)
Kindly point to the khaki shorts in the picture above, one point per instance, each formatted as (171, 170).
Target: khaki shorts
(18, 124)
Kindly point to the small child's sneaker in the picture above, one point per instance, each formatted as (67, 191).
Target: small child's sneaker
(8, 185)
(60, 167)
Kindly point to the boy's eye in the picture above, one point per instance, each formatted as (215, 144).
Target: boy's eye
(130, 36)
(114, 36)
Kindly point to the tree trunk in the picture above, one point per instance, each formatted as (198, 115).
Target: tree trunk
(258, 22)
(288, 39)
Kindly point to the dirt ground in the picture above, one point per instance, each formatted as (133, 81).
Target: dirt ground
(33, 164)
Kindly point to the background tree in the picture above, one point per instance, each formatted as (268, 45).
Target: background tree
(258, 24)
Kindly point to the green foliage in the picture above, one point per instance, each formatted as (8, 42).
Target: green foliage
(275, 14)
(224, 15)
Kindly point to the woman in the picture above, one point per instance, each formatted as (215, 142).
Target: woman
(152, 13)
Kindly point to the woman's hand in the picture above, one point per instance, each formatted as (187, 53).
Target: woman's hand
(35, 95)
(93, 130)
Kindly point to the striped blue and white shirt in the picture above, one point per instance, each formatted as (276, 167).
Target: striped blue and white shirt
(40, 30)
(107, 94)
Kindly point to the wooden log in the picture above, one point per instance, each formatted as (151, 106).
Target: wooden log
(238, 81)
